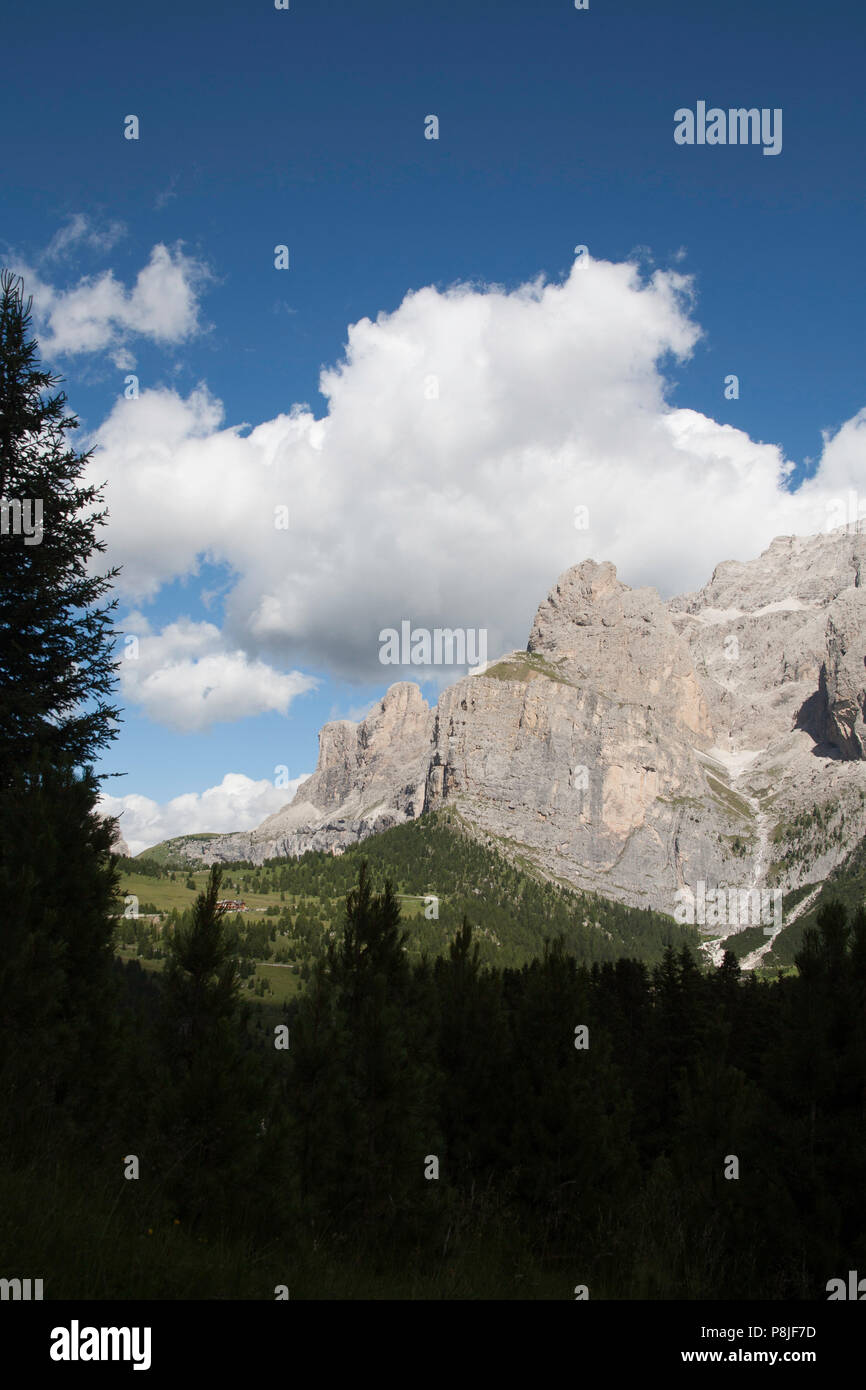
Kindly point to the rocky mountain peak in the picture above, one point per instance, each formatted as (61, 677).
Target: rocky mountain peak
(635, 746)
(402, 698)
(621, 642)
(587, 593)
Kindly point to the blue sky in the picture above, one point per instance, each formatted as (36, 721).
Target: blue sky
(306, 127)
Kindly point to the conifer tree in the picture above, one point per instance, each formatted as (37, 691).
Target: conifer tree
(212, 1097)
(57, 885)
(363, 1090)
(473, 1055)
(56, 662)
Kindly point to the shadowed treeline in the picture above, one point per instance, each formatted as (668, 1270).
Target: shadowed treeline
(602, 1163)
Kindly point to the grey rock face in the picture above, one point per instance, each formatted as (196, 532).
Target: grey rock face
(606, 636)
(636, 747)
(119, 845)
(369, 777)
(583, 751)
(843, 675)
(758, 631)
(767, 638)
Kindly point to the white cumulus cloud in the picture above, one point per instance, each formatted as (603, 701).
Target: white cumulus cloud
(238, 803)
(462, 432)
(185, 678)
(99, 313)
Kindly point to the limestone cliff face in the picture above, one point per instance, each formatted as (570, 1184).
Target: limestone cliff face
(758, 631)
(591, 788)
(607, 637)
(369, 777)
(636, 746)
(583, 750)
(779, 645)
(843, 674)
(378, 762)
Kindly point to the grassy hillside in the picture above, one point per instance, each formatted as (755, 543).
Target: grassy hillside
(511, 906)
(847, 884)
(442, 873)
(171, 851)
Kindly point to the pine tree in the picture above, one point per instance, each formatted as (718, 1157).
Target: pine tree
(56, 661)
(201, 972)
(473, 1055)
(56, 672)
(361, 1071)
(57, 885)
(212, 1095)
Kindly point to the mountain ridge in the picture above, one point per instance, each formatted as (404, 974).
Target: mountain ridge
(637, 745)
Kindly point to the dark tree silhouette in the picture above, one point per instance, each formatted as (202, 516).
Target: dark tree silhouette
(57, 884)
